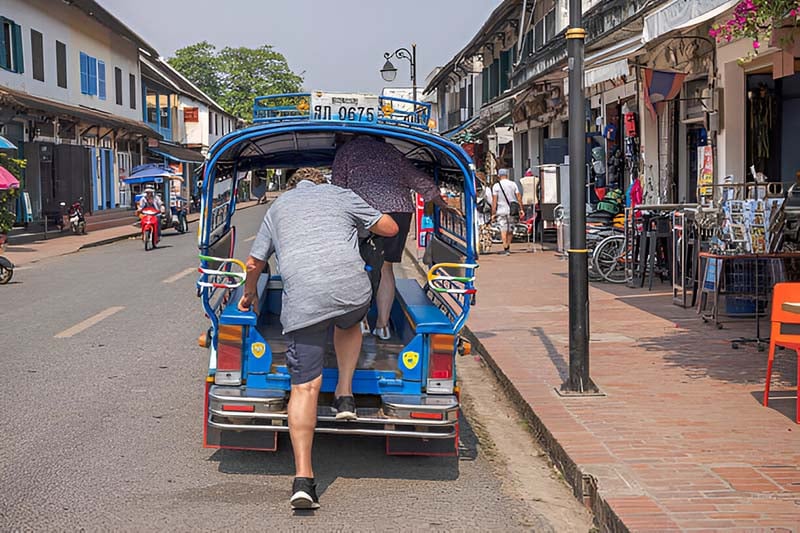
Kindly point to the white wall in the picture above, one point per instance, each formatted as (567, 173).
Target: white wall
(194, 133)
(649, 153)
(80, 33)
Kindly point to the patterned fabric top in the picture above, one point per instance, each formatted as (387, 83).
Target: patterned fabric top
(380, 174)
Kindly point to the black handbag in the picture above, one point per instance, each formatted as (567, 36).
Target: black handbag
(512, 206)
(371, 249)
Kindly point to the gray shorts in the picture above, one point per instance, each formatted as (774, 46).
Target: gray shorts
(504, 222)
(306, 350)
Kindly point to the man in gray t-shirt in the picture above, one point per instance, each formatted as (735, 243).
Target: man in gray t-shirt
(313, 232)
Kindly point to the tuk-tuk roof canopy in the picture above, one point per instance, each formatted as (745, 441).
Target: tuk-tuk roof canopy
(293, 144)
(305, 129)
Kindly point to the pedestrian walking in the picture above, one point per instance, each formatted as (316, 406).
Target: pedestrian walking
(506, 205)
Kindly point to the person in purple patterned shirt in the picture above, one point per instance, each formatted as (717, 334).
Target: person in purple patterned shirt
(381, 175)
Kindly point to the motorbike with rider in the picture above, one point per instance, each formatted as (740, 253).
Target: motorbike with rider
(150, 206)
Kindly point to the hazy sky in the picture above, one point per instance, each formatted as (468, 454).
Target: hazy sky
(338, 43)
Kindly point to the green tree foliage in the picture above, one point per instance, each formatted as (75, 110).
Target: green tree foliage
(7, 216)
(198, 62)
(235, 76)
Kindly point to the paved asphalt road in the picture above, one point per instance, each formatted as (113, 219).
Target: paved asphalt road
(101, 428)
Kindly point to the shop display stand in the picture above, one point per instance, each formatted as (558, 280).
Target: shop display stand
(741, 276)
(758, 341)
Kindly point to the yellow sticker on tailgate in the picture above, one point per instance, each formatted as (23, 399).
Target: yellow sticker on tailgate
(258, 349)
(410, 359)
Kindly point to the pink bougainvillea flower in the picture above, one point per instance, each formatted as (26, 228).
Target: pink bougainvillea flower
(756, 45)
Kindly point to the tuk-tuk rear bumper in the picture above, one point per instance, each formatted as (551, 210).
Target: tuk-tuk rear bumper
(420, 416)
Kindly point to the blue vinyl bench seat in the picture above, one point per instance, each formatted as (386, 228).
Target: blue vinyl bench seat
(427, 318)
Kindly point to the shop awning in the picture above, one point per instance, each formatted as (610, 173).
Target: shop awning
(611, 71)
(28, 103)
(177, 153)
(609, 63)
(463, 127)
(680, 14)
(623, 49)
(151, 173)
(482, 128)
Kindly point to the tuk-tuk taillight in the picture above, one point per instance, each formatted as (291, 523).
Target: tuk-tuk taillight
(229, 356)
(440, 365)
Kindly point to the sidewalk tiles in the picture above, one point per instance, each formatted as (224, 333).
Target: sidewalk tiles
(680, 441)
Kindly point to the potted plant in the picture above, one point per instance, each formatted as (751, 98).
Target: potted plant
(764, 21)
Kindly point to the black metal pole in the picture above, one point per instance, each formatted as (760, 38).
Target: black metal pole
(578, 380)
(414, 71)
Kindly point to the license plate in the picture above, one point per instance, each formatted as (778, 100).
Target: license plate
(344, 107)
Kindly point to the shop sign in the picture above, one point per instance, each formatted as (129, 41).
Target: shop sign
(705, 173)
(191, 114)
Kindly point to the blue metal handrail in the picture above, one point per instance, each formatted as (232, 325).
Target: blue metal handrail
(297, 106)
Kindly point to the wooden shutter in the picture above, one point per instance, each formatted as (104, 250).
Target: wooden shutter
(16, 33)
(84, 73)
(3, 44)
(101, 80)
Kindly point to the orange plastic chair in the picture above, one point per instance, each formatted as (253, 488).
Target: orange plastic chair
(782, 293)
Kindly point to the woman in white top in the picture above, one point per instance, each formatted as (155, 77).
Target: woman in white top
(504, 193)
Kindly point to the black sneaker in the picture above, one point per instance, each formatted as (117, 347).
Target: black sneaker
(304, 493)
(345, 408)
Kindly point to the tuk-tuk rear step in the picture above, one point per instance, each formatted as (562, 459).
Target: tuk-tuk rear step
(327, 414)
(345, 428)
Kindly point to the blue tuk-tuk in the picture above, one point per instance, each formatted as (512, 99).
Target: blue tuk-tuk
(406, 387)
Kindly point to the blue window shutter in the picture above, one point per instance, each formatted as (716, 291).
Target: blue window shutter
(16, 36)
(84, 73)
(3, 44)
(101, 80)
(92, 75)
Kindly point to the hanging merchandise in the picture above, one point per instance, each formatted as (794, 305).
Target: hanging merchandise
(631, 147)
(630, 125)
(614, 170)
(599, 166)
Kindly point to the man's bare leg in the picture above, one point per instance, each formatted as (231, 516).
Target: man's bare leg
(302, 421)
(506, 240)
(347, 343)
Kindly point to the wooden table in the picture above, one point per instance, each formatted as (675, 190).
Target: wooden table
(791, 307)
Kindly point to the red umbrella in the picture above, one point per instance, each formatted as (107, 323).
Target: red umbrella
(7, 180)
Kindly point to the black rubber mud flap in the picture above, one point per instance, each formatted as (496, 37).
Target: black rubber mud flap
(423, 447)
(265, 441)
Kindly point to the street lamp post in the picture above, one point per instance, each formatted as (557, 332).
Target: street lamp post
(578, 381)
(389, 71)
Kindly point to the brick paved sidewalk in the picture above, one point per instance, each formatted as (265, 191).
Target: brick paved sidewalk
(680, 440)
(33, 252)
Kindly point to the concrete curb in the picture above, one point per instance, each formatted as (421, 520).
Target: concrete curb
(110, 240)
(584, 485)
(117, 238)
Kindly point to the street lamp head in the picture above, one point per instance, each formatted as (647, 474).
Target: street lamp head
(388, 72)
